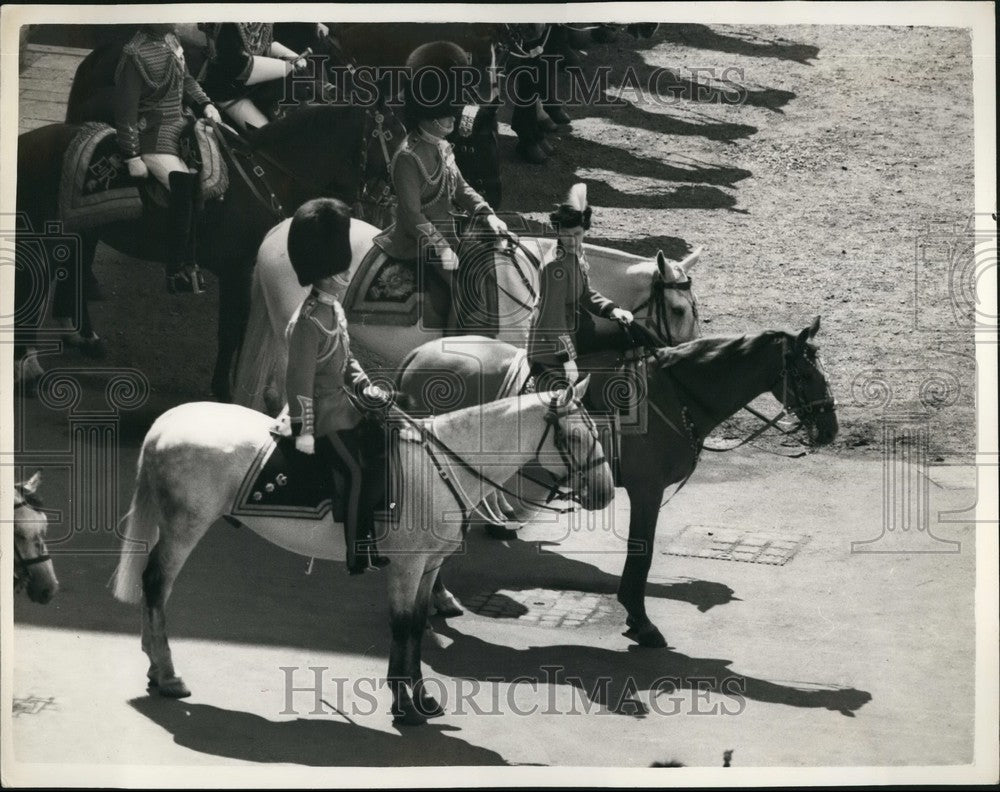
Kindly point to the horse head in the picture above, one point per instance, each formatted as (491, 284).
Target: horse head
(576, 441)
(32, 566)
(803, 388)
(673, 305)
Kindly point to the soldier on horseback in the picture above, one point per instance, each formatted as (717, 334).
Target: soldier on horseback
(243, 58)
(152, 89)
(566, 299)
(326, 387)
(427, 182)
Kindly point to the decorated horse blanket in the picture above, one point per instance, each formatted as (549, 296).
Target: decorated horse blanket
(96, 188)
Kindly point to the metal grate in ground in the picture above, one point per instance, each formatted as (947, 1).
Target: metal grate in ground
(732, 544)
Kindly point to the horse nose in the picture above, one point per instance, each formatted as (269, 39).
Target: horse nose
(46, 594)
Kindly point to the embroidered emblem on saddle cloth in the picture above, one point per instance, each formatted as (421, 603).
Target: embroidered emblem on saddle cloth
(96, 188)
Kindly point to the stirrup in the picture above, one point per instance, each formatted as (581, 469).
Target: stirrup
(188, 280)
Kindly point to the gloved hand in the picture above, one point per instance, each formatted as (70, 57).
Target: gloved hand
(376, 397)
(305, 443)
(621, 315)
(322, 31)
(571, 371)
(211, 112)
(449, 261)
(137, 168)
(497, 225)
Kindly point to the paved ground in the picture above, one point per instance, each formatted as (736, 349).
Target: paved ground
(823, 656)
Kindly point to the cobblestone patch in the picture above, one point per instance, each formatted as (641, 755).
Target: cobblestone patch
(731, 544)
(548, 607)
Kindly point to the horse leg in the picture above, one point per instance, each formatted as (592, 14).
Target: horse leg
(234, 311)
(69, 301)
(404, 585)
(644, 505)
(427, 706)
(445, 603)
(164, 564)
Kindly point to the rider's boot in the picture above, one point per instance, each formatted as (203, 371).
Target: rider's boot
(183, 274)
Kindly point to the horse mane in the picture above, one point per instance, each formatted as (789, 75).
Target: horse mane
(712, 348)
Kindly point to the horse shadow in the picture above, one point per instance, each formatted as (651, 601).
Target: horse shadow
(318, 742)
(538, 567)
(704, 37)
(657, 672)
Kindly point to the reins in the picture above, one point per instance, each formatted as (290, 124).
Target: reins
(431, 442)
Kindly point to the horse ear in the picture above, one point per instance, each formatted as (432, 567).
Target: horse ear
(30, 486)
(661, 264)
(689, 261)
(808, 333)
(580, 388)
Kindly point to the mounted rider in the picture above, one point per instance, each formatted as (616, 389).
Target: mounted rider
(427, 182)
(326, 387)
(244, 60)
(153, 90)
(566, 300)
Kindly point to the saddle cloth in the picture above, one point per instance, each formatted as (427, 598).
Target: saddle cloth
(96, 189)
(285, 483)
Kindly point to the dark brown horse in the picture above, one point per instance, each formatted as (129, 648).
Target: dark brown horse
(689, 390)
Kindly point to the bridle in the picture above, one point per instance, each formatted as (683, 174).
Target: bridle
(656, 303)
(806, 411)
(22, 565)
(443, 457)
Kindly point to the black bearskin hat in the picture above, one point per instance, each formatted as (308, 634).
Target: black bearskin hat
(319, 240)
(433, 82)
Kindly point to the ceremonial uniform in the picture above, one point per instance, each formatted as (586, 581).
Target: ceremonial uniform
(324, 383)
(428, 187)
(152, 87)
(566, 301)
(233, 46)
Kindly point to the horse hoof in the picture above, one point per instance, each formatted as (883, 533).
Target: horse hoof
(647, 636)
(173, 688)
(408, 716)
(428, 707)
(447, 605)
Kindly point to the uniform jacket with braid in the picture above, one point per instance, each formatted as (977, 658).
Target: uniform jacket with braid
(152, 85)
(232, 48)
(428, 186)
(321, 369)
(564, 294)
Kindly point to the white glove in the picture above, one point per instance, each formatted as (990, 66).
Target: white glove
(322, 31)
(497, 225)
(572, 373)
(137, 168)
(211, 112)
(449, 261)
(305, 443)
(621, 315)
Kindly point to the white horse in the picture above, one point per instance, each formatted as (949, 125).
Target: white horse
(196, 457)
(33, 570)
(657, 291)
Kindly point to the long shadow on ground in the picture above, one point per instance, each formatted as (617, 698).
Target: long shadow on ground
(656, 671)
(316, 742)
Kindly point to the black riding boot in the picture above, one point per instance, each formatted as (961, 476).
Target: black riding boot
(183, 274)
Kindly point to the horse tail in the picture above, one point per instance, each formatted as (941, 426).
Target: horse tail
(141, 533)
(259, 352)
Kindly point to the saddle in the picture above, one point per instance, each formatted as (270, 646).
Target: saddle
(286, 484)
(390, 292)
(96, 188)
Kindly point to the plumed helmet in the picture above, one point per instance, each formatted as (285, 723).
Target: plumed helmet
(433, 85)
(574, 212)
(319, 240)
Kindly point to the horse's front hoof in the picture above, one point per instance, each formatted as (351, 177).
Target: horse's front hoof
(646, 635)
(407, 715)
(173, 688)
(428, 706)
(447, 605)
